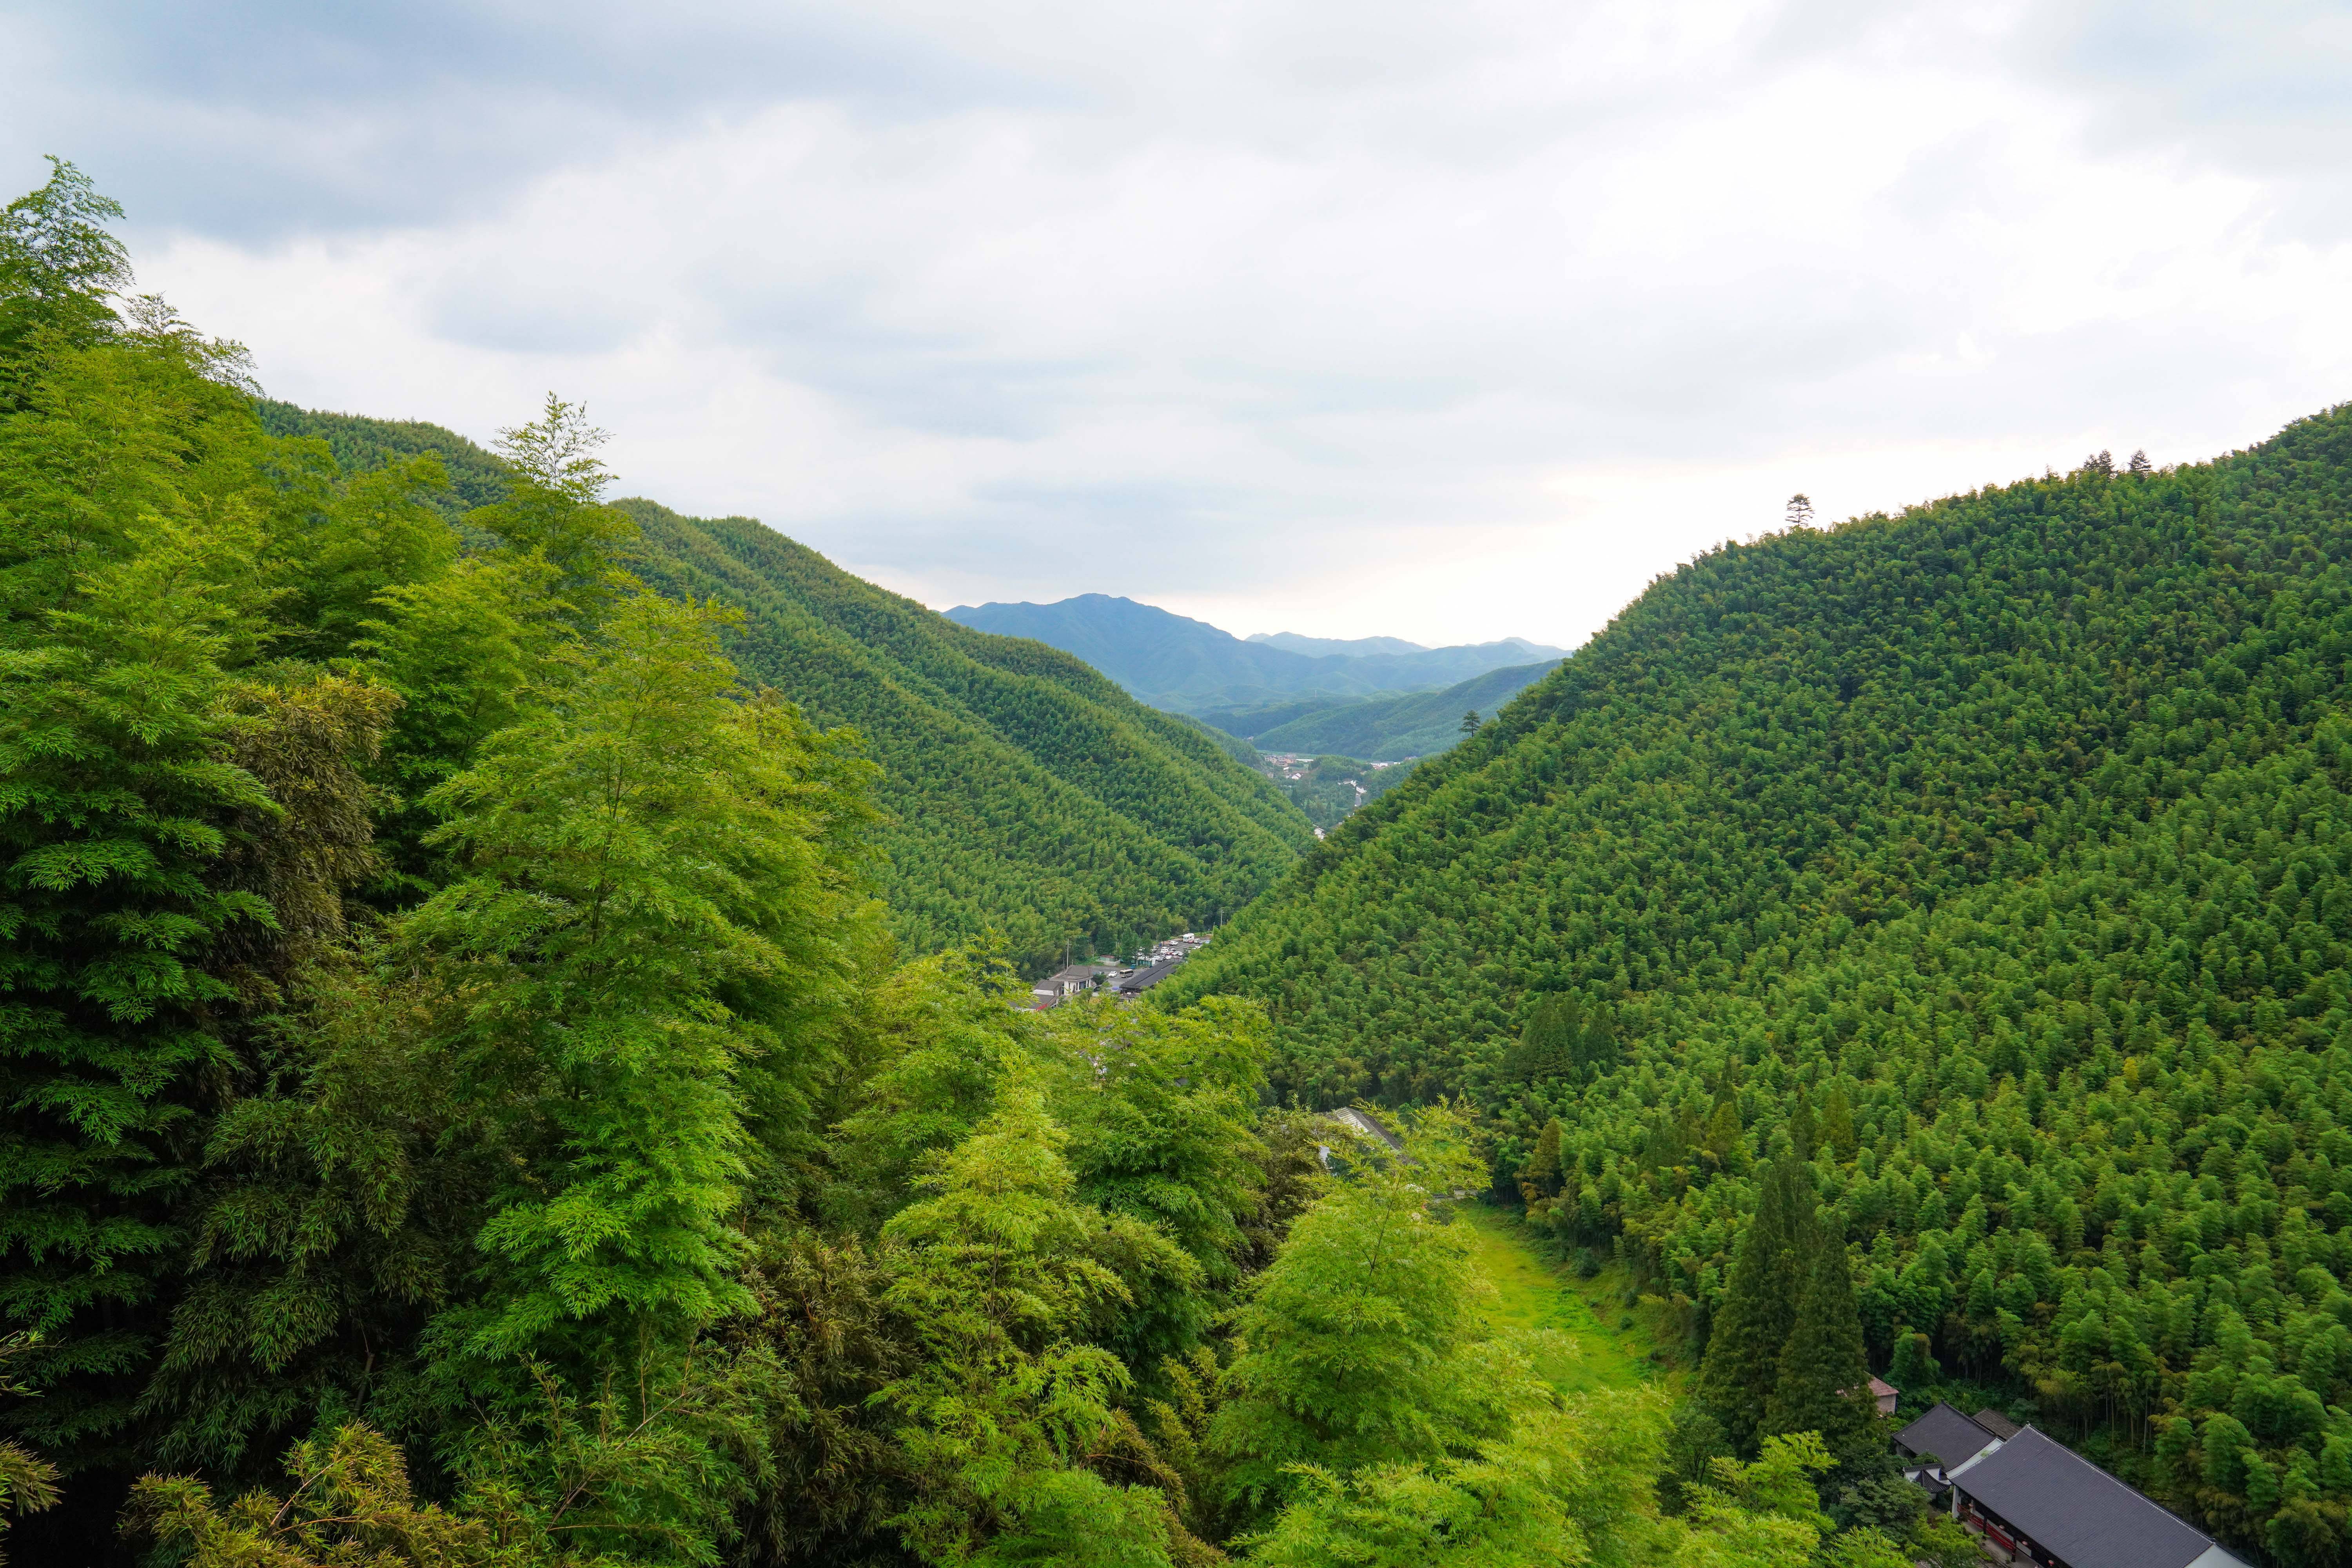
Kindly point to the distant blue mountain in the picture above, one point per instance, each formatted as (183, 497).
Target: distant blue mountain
(1174, 662)
(1350, 647)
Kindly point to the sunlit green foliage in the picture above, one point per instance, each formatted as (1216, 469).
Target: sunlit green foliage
(29, 1483)
(644, 954)
(453, 1035)
(1362, 1343)
(1002, 1268)
(1498, 1467)
(133, 518)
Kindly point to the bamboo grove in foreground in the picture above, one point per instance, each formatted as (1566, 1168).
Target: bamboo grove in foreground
(461, 1102)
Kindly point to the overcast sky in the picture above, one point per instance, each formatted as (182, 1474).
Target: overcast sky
(1442, 321)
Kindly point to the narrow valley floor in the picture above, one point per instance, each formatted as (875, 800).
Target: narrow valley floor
(1614, 1347)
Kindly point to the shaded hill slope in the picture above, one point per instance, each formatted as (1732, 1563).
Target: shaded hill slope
(1997, 856)
(1025, 793)
(1822, 730)
(1389, 729)
(1173, 661)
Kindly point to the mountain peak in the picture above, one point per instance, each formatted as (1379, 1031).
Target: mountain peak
(1347, 646)
(1175, 662)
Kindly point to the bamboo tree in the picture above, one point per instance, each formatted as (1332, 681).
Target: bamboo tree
(1002, 1268)
(131, 521)
(638, 961)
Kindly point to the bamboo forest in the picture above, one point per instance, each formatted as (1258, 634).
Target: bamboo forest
(523, 1043)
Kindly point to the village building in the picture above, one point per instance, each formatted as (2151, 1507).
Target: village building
(1064, 984)
(1365, 1126)
(1143, 980)
(1943, 1437)
(1355, 1124)
(2034, 1500)
(1152, 965)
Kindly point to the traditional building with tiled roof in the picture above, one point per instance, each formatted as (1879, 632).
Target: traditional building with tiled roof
(1943, 1436)
(2043, 1503)
(1994, 1422)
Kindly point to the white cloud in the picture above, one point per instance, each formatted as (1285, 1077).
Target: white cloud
(1444, 321)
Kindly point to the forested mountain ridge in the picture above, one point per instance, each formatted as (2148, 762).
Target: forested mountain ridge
(1389, 729)
(1021, 791)
(1024, 791)
(359, 443)
(2003, 839)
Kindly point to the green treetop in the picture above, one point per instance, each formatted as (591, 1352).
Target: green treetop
(651, 921)
(1759, 1316)
(1824, 1372)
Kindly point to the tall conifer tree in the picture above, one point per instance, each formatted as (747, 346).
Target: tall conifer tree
(1824, 1374)
(1803, 1132)
(1721, 1138)
(1540, 1178)
(1595, 1050)
(1758, 1315)
(1837, 1124)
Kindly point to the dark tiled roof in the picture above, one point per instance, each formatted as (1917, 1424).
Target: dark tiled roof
(1370, 1126)
(1994, 1422)
(1145, 979)
(2076, 1510)
(1945, 1433)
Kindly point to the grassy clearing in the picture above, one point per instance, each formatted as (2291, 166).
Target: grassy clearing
(1614, 1344)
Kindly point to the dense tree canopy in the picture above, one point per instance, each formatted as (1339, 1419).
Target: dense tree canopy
(461, 1105)
(1022, 794)
(2006, 838)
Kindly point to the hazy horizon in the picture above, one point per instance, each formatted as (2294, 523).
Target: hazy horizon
(1264, 635)
(1402, 320)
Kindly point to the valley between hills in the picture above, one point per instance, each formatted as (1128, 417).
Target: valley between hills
(524, 1043)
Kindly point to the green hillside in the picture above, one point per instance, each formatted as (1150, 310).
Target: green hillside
(460, 1105)
(1022, 791)
(2004, 841)
(360, 444)
(1390, 729)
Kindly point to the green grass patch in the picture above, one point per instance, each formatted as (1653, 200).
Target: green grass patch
(1614, 1344)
